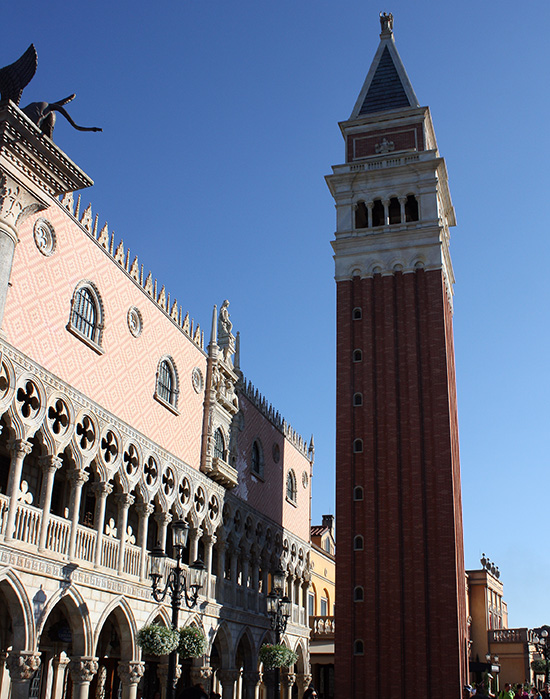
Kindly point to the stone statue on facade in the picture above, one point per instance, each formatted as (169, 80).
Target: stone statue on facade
(15, 77)
(224, 324)
(386, 22)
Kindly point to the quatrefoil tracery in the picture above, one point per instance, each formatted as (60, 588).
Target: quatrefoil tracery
(109, 446)
(131, 459)
(58, 417)
(86, 431)
(151, 471)
(29, 400)
(168, 481)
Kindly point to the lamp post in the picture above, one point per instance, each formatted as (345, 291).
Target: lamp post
(541, 641)
(179, 587)
(279, 609)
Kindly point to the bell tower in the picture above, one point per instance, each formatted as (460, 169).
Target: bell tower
(400, 610)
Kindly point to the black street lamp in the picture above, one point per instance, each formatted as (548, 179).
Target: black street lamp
(279, 608)
(541, 641)
(179, 587)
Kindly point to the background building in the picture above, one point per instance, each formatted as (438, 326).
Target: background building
(401, 606)
(117, 419)
(321, 601)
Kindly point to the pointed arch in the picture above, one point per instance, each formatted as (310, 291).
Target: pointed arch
(76, 611)
(224, 644)
(302, 664)
(246, 646)
(159, 614)
(20, 610)
(121, 610)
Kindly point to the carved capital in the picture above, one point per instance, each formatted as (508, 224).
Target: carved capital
(251, 678)
(163, 518)
(78, 478)
(124, 500)
(145, 509)
(16, 203)
(19, 448)
(50, 463)
(130, 672)
(83, 669)
(201, 674)
(102, 489)
(22, 664)
(289, 678)
(228, 677)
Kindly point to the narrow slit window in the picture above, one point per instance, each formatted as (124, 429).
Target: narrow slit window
(357, 399)
(357, 313)
(357, 355)
(358, 446)
(358, 493)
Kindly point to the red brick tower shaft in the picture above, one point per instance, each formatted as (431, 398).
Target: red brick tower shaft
(400, 609)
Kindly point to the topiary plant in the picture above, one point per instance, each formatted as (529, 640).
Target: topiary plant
(157, 640)
(273, 656)
(192, 642)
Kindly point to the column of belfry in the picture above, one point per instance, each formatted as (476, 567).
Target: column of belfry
(400, 611)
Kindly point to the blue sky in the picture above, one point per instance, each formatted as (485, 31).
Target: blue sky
(220, 122)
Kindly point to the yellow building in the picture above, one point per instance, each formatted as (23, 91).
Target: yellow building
(321, 598)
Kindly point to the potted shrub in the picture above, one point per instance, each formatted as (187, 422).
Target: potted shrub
(273, 656)
(192, 642)
(157, 640)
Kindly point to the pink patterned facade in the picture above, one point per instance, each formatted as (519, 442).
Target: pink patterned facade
(117, 419)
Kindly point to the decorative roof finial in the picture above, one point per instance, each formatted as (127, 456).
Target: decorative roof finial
(386, 22)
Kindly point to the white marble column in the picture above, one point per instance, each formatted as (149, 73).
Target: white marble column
(162, 519)
(402, 202)
(59, 665)
(4, 676)
(144, 510)
(251, 683)
(123, 500)
(18, 448)
(130, 674)
(209, 541)
(77, 478)
(102, 491)
(50, 465)
(82, 671)
(288, 680)
(303, 680)
(195, 534)
(22, 665)
(386, 204)
(228, 679)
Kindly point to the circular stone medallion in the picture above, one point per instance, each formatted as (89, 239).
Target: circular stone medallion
(135, 321)
(197, 380)
(44, 237)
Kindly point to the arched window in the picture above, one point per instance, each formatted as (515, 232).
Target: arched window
(357, 399)
(219, 445)
(166, 390)
(411, 208)
(86, 318)
(357, 355)
(257, 458)
(378, 215)
(291, 486)
(358, 543)
(357, 313)
(358, 446)
(394, 210)
(358, 648)
(361, 215)
(358, 493)
(358, 594)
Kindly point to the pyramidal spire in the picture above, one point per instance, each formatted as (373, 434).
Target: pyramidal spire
(387, 85)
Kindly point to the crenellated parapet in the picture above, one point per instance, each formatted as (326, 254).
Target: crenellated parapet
(90, 225)
(247, 389)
